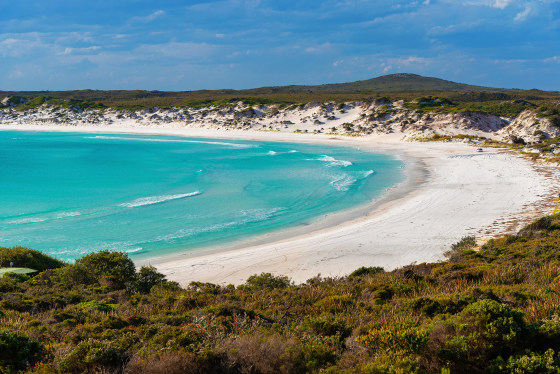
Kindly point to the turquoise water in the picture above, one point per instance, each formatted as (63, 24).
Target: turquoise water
(69, 194)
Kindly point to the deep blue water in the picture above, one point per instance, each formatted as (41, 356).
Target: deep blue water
(69, 194)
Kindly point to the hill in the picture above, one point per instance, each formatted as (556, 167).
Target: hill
(395, 86)
(387, 83)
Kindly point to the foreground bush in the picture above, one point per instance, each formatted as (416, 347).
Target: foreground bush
(493, 309)
(18, 351)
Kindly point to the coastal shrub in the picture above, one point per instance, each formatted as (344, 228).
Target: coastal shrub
(529, 363)
(267, 281)
(364, 271)
(115, 269)
(148, 277)
(404, 336)
(172, 362)
(483, 331)
(263, 354)
(92, 356)
(328, 325)
(27, 258)
(18, 351)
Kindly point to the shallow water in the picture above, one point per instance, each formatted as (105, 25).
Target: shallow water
(69, 194)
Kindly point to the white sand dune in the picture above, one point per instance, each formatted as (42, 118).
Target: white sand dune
(451, 191)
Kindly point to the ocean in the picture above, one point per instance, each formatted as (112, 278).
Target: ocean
(70, 194)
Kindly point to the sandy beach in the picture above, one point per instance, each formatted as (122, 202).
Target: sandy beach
(451, 191)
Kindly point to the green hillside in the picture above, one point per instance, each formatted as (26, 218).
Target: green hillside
(387, 83)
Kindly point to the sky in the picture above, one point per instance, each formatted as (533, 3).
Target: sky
(181, 45)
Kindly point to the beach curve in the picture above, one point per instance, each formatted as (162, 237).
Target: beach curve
(467, 193)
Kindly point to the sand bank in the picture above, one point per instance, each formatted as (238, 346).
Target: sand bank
(452, 191)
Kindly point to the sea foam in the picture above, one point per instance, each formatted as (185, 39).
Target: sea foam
(234, 145)
(157, 199)
(331, 161)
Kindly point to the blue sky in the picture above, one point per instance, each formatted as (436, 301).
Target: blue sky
(188, 45)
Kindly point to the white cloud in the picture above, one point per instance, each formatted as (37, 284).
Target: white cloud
(522, 16)
(148, 18)
(501, 4)
(552, 59)
(319, 48)
(86, 50)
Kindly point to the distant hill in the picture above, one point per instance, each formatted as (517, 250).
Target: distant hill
(387, 83)
(397, 86)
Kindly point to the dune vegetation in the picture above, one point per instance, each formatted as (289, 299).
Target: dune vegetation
(488, 309)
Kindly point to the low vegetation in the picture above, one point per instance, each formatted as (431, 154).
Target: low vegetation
(488, 309)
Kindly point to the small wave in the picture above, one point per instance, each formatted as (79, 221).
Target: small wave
(331, 161)
(271, 153)
(67, 214)
(133, 250)
(367, 173)
(157, 199)
(43, 218)
(343, 183)
(234, 145)
(293, 151)
(28, 220)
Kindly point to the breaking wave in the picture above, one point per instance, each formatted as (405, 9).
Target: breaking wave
(157, 199)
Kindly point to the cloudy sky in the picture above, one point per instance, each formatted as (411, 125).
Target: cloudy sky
(191, 44)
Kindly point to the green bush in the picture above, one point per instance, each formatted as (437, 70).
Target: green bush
(529, 363)
(91, 356)
(483, 331)
(28, 258)
(18, 351)
(267, 281)
(148, 277)
(364, 271)
(114, 269)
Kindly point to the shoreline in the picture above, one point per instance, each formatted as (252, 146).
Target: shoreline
(449, 192)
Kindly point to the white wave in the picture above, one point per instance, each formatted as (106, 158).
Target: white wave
(293, 151)
(67, 214)
(234, 145)
(44, 218)
(331, 161)
(133, 250)
(343, 183)
(367, 173)
(271, 153)
(28, 220)
(157, 199)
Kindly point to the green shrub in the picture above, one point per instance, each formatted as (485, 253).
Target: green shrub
(405, 336)
(91, 356)
(18, 351)
(148, 277)
(530, 363)
(364, 271)
(27, 258)
(483, 331)
(113, 269)
(267, 281)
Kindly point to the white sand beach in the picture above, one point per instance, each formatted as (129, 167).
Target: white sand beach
(451, 191)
